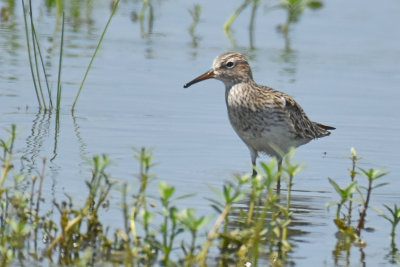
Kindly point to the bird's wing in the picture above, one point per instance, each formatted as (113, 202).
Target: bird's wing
(303, 127)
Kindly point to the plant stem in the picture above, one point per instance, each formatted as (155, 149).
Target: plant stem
(339, 206)
(289, 192)
(232, 18)
(7, 160)
(30, 56)
(43, 68)
(193, 243)
(60, 67)
(211, 235)
(363, 214)
(352, 176)
(288, 200)
(252, 200)
(94, 54)
(34, 45)
(252, 19)
(146, 3)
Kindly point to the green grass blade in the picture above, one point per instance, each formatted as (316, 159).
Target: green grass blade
(94, 54)
(34, 42)
(30, 55)
(43, 67)
(231, 19)
(60, 67)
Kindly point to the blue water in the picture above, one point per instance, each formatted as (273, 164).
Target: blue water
(341, 63)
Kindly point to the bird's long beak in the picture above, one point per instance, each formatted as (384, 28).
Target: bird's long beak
(209, 74)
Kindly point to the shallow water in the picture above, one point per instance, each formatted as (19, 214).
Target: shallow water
(341, 63)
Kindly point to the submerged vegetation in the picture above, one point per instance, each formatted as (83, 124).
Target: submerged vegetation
(252, 221)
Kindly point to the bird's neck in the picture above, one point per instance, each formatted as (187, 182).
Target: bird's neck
(234, 82)
(239, 93)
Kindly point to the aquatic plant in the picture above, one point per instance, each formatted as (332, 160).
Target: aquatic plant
(7, 146)
(193, 225)
(252, 219)
(36, 63)
(150, 230)
(232, 18)
(393, 218)
(343, 220)
(114, 9)
(58, 106)
(195, 14)
(146, 6)
(372, 176)
(294, 9)
(33, 58)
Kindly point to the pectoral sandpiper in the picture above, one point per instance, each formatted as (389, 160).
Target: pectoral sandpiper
(265, 119)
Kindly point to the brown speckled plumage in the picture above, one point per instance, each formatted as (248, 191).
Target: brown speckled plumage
(265, 119)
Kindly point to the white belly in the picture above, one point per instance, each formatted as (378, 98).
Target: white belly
(275, 142)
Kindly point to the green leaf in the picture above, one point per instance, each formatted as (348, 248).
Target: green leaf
(345, 192)
(331, 203)
(379, 185)
(227, 192)
(215, 202)
(270, 168)
(373, 174)
(336, 186)
(350, 188)
(184, 196)
(216, 208)
(165, 190)
(238, 197)
(216, 191)
(243, 179)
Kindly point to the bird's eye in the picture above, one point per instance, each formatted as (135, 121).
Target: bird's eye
(230, 64)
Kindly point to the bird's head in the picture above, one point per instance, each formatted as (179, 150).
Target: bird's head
(230, 68)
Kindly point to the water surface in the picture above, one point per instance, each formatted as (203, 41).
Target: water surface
(341, 63)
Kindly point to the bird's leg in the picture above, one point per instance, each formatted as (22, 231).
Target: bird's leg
(278, 185)
(253, 154)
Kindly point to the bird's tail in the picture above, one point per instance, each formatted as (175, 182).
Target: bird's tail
(324, 129)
